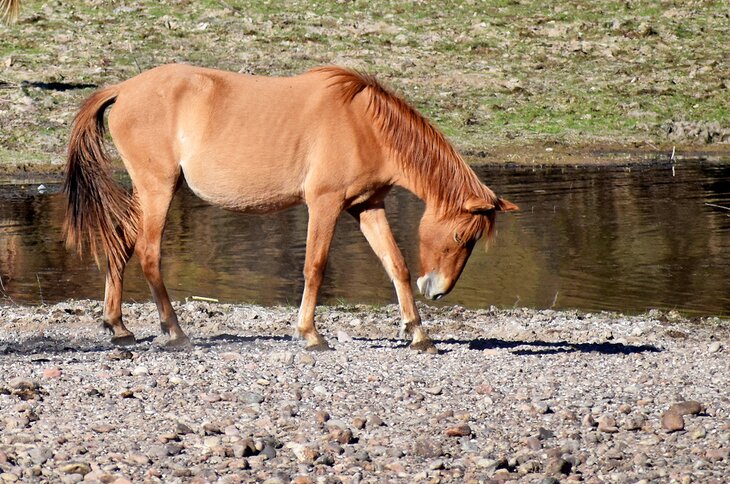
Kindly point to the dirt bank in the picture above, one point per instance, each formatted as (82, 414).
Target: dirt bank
(522, 394)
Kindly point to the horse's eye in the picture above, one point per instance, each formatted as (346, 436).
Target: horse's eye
(457, 238)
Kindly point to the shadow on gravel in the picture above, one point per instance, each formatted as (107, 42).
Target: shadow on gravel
(553, 347)
(219, 339)
(533, 347)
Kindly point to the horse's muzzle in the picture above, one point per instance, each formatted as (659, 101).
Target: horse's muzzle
(432, 286)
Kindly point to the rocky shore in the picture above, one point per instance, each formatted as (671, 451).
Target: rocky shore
(523, 395)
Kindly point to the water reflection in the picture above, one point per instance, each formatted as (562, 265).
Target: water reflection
(614, 239)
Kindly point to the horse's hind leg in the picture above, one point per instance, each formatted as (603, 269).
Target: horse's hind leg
(113, 304)
(154, 205)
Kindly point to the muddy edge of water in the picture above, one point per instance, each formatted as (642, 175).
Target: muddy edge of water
(514, 394)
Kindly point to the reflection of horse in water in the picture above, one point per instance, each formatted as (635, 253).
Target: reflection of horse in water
(332, 138)
(9, 10)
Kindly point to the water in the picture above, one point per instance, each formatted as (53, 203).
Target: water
(588, 238)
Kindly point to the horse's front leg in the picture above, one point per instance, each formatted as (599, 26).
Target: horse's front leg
(374, 225)
(323, 215)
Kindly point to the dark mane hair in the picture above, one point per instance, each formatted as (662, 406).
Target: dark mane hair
(423, 151)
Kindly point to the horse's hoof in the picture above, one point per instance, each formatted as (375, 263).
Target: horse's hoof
(125, 340)
(318, 346)
(181, 342)
(425, 346)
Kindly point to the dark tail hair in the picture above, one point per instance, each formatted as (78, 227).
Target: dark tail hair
(98, 208)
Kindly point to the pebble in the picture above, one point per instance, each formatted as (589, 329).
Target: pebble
(672, 421)
(461, 430)
(607, 424)
(53, 372)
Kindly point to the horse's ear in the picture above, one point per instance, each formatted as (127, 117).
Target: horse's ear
(477, 205)
(506, 206)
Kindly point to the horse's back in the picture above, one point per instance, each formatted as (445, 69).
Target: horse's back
(246, 142)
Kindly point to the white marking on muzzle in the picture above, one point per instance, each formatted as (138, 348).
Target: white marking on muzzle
(432, 285)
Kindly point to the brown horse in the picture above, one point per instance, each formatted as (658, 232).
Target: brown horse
(332, 138)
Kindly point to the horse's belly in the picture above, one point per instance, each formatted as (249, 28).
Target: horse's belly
(242, 193)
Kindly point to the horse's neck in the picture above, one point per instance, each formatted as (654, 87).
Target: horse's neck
(440, 194)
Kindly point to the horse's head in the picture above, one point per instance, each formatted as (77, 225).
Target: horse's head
(447, 242)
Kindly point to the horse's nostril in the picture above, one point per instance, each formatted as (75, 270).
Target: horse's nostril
(438, 296)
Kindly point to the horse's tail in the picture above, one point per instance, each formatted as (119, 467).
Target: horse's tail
(9, 10)
(98, 208)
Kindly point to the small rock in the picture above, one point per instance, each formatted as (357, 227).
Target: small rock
(375, 421)
(634, 423)
(20, 383)
(607, 424)
(102, 428)
(343, 436)
(714, 347)
(140, 371)
(321, 417)
(436, 390)
(428, 448)
(182, 428)
(589, 421)
(715, 455)
(689, 407)
(343, 337)
(53, 372)
(461, 430)
(533, 443)
(359, 423)
(75, 468)
(304, 453)
(558, 465)
(672, 421)
(251, 397)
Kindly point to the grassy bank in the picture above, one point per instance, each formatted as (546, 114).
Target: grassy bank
(497, 77)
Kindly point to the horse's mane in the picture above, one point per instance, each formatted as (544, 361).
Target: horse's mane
(422, 150)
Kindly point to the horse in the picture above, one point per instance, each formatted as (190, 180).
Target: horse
(9, 10)
(332, 138)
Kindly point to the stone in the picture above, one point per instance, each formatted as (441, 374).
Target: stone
(251, 397)
(461, 430)
(20, 383)
(635, 422)
(343, 436)
(304, 453)
(53, 372)
(426, 447)
(375, 421)
(102, 428)
(689, 407)
(607, 423)
(140, 371)
(714, 347)
(716, 455)
(75, 468)
(343, 337)
(321, 417)
(558, 465)
(672, 421)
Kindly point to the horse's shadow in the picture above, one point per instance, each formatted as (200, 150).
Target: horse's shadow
(536, 347)
(43, 345)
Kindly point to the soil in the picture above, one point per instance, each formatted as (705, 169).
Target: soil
(526, 395)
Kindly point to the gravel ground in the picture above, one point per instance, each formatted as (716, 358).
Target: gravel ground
(535, 396)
